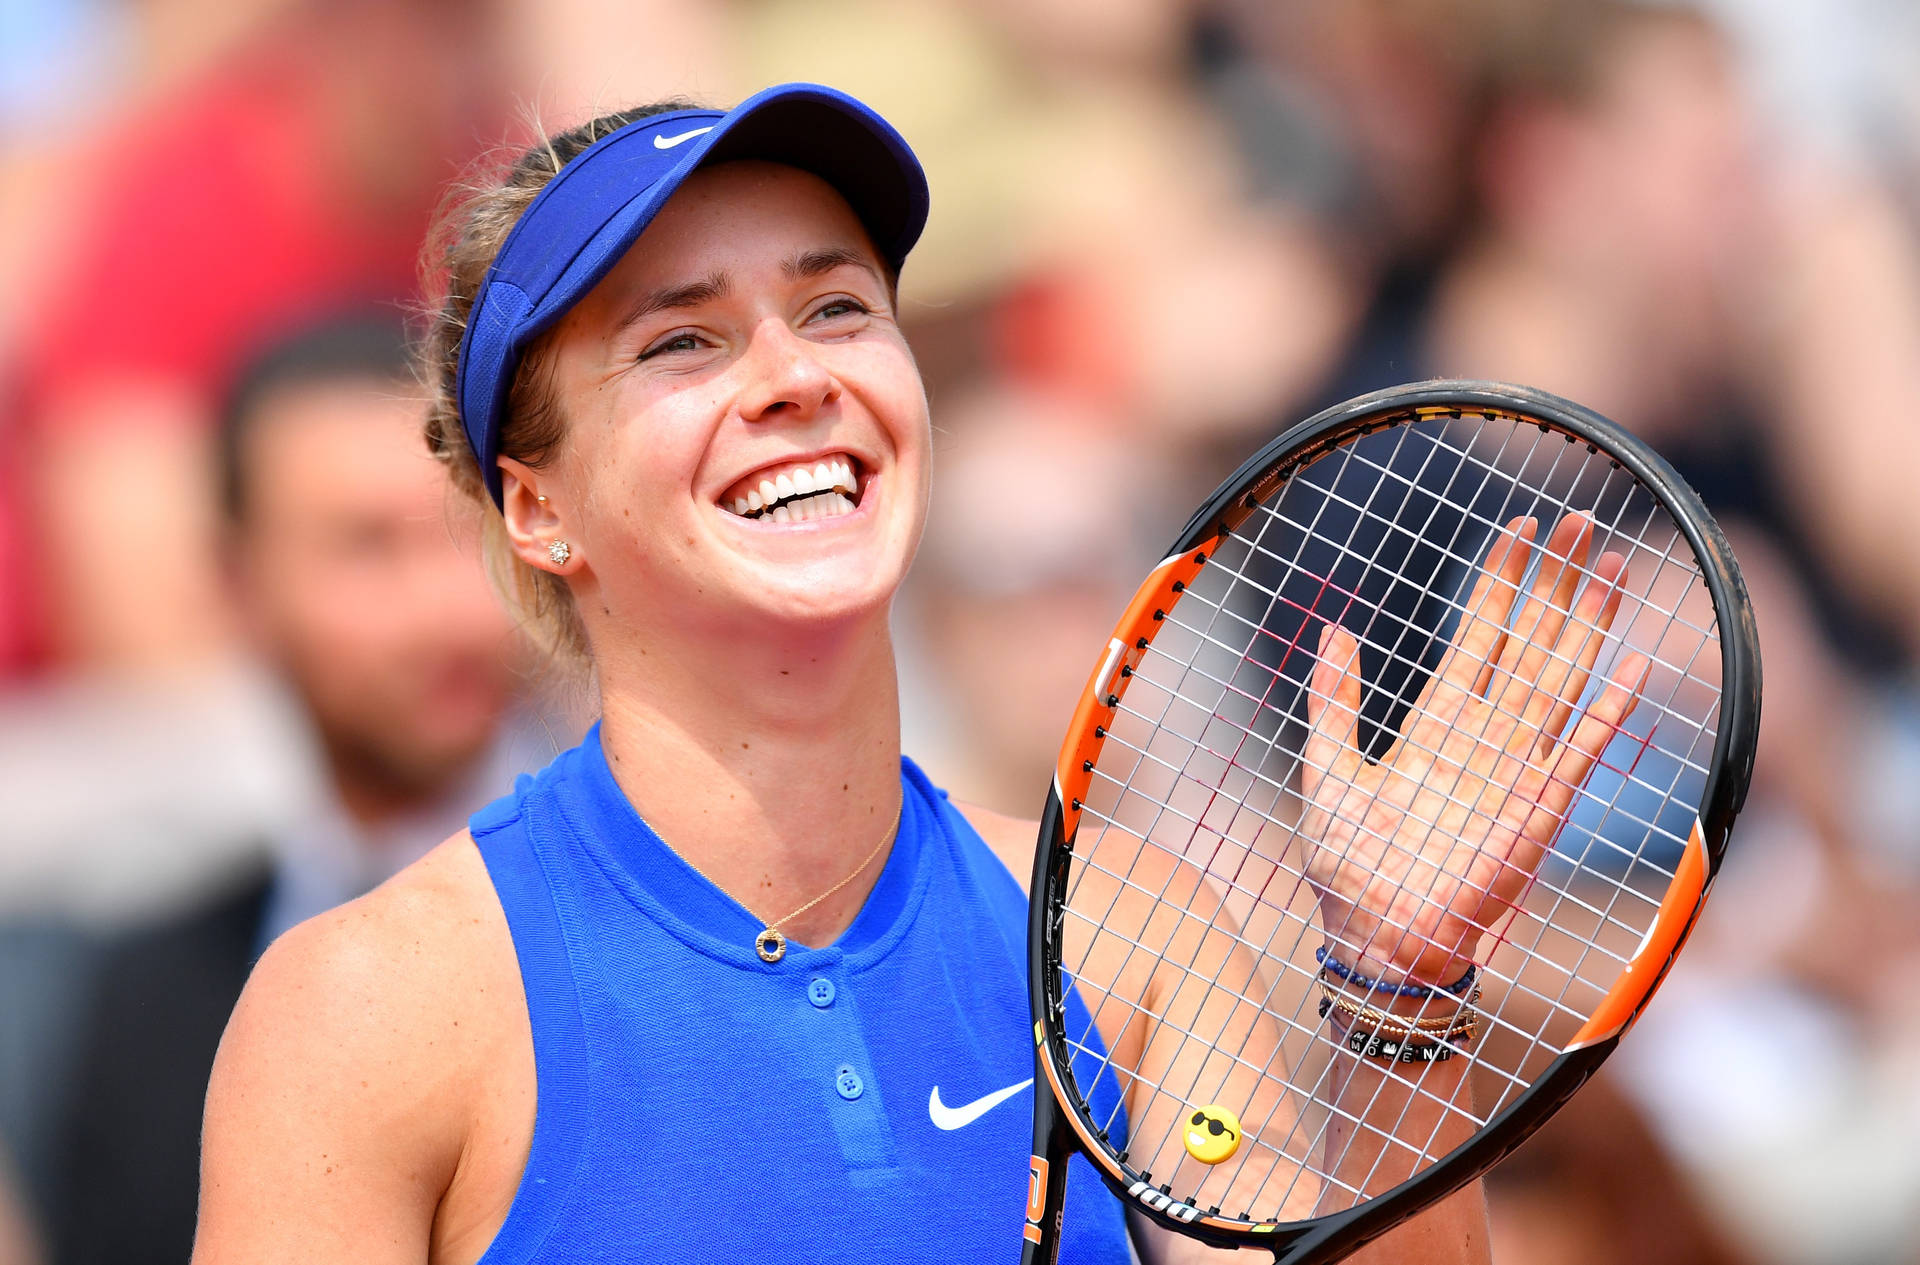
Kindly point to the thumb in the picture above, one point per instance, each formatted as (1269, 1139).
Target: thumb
(1333, 707)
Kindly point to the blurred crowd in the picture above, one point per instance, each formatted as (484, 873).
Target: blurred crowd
(249, 665)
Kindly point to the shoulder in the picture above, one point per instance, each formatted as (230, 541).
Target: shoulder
(382, 1015)
(409, 955)
(1012, 839)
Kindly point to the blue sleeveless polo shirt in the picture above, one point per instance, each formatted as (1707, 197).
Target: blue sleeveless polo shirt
(698, 1104)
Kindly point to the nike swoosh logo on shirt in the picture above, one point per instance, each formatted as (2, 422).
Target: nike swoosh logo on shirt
(950, 1118)
(668, 142)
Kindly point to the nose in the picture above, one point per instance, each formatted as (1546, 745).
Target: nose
(785, 378)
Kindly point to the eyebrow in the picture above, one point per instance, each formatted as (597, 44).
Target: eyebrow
(811, 263)
(715, 285)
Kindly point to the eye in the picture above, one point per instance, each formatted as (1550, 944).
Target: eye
(683, 341)
(839, 306)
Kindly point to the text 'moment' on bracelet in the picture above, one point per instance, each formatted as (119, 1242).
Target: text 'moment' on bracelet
(1370, 1045)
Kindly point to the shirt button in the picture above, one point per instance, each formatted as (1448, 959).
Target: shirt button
(820, 992)
(848, 1083)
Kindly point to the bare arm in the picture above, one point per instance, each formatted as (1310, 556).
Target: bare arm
(1373, 1102)
(1454, 1230)
(344, 1095)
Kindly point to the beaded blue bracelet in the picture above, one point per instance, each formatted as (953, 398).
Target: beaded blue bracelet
(1330, 965)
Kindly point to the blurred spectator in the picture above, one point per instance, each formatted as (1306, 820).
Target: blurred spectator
(1630, 249)
(1779, 1061)
(1363, 113)
(1614, 195)
(1833, 341)
(350, 579)
(293, 177)
(1037, 531)
(1595, 1187)
(572, 60)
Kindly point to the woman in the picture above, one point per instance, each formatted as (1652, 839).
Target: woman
(593, 1026)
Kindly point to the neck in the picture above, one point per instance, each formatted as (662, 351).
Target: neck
(771, 766)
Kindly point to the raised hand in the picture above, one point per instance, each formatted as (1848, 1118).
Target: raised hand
(1415, 856)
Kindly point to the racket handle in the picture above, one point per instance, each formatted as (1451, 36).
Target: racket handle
(1046, 1178)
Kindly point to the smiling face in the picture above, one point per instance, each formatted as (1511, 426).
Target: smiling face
(1212, 1134)
(746, 432)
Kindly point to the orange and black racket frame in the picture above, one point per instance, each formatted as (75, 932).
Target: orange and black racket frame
(1063, 1122)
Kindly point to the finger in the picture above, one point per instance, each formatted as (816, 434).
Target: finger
(1464, 669)
(1537, 626)
(1595, 730)
(1535, 630)
(1333, 707)
(1579, 647)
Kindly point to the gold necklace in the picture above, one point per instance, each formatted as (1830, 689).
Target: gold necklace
(771, 944)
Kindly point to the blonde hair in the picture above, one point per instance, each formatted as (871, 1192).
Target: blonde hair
(467, 234)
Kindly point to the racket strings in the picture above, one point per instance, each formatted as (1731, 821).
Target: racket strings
(1456, 801)
(1627, 773)
(1299, 877)
(1345, 459)
(1239, 757)
(1637, 541)
(1149, 755)
(1399, 441)
(1454, 607)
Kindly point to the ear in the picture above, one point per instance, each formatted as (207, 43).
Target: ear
(535, 519)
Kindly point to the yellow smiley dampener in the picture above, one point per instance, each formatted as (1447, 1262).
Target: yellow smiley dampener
(1212, 1134)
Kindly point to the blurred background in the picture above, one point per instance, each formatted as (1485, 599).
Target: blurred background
(232, 692)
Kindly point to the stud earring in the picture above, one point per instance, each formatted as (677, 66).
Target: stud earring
(559, 551)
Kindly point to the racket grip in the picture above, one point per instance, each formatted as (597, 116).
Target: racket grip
(1046, 1177)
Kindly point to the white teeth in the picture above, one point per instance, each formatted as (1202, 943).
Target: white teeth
(825, 490)
(802, 509)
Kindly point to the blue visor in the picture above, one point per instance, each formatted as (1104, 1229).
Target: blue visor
(586, 217)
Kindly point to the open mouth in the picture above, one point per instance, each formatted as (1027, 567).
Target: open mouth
(801, 492)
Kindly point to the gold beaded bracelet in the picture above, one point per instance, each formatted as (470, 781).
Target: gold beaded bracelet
(1461, 1023)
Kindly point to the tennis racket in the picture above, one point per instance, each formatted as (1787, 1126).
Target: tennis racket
(1455, 675)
